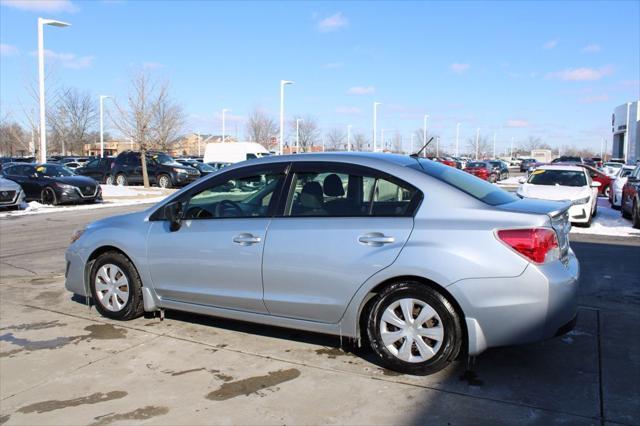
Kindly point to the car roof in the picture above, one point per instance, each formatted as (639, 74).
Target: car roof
(401, 160)
(562, 167)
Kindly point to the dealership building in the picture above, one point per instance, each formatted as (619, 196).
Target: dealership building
(625, 124)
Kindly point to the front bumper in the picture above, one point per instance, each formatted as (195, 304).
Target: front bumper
(534, 306)
(74, 196)
(74, 277)
(183, 179)
(17, 199)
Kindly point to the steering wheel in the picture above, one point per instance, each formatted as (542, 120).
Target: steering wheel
(226, 205)
(198, 213)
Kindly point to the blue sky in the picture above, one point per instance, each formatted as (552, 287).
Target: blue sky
(553, 70)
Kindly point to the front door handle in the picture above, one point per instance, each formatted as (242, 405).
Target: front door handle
(376, 239)
(246, 239)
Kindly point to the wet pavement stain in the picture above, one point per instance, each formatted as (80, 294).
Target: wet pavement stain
(48, 296)
(4, 419)
(34, 326)
(52, 405)
(252, 384)
(332, 353)
(391, 373)
(143, 413)
(35, 345)
(471, 377)
(103, 332)
(180, 373)
(221, 376)
(9, 353)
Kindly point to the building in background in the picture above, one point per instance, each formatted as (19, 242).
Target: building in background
(111, 148)
(193, 144)
(625, 124)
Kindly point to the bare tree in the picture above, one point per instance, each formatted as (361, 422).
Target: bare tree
(168, 119)
(308, 131)
(336, 140)
(396, 143)
(13, 138)
(71, 118)
(483, 148)
(419, 139)
(359, 142)
(261, 128)
(534, 143)
(135, 119)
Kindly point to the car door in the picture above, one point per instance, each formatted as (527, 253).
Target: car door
(24, 175)
(340, 224)
(215, 258)
(90, 169)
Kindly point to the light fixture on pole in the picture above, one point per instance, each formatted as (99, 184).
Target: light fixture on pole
(43, 124)
(102, 98)
(477, 141)
(281, 141)
(298, 135)
(375, 124)
(349, 138)
(224, 111)
(458, 139)
(424, 133)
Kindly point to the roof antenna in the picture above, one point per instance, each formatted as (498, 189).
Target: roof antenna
(417, 154)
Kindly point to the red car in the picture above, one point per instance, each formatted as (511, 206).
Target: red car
(597, 176)
(482, 169)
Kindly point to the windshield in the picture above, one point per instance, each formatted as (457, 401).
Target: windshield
(163, 158)
(465, 182)
(625, 172)
(557, 177)
(51, 170)
(203, 167)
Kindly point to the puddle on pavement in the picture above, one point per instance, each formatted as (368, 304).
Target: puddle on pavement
(143, 413)
(52, 405)
(252, 385)
(180, 373)
(35, 345)
(390, 373)
(4, 419)
(332, 353)
(34, 326)
(103, 332)
(48, 296)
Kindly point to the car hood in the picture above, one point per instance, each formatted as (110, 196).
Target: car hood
(75, 180)
(8, 185)
(553, 192)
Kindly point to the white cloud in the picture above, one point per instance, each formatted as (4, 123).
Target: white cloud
(591, 48)
(459, 68)
(517, 123)
(594, 99)
(361, 90)
(333, 65)
(581, 74)
(67, 60)
(333, 23)
(8, 50)
(349, 110)
(550, 44)
(41, 5)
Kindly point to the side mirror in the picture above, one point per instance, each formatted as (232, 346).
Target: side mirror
(596, 184)
(173, 213)
(522, 180)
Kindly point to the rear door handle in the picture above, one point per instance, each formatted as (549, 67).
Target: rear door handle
(376, 239)
(246, 239)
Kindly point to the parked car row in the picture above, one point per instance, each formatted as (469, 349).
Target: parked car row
(489, 170)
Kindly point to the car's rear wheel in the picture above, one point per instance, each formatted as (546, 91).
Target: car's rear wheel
(606, 191)
(635, 213)
(121, 180)
(48, 196)
(625, 213)
(413, 329)
(109, 180)
(116, 287)
(164, 181)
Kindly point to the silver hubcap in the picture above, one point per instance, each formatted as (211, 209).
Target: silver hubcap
(112, 287)
(109, 180)
(164, 181)
(120, 180)
(411, 330)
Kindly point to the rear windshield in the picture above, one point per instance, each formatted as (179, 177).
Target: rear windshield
(476, 164)
(465, 182)
(557, 177)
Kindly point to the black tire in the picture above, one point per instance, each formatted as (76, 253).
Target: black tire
(164, 181)
(595, 211)
(48, 196)
(635, 213)
(452, 339)
(121, 179)
(108, 180)
(493, 178)
(625, 214)
(606, 191)
(134, 307)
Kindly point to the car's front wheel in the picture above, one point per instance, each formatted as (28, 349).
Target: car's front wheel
(48, 196)
(414, 329)
(109, 180)
(116, 287)
(164, 181)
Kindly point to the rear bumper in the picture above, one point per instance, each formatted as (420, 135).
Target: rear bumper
(537, 305)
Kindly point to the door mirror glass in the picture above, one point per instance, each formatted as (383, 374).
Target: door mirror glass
(173, 213)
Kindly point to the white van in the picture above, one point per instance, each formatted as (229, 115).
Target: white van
(233, 152)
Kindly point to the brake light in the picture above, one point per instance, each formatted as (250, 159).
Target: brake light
(540, 245)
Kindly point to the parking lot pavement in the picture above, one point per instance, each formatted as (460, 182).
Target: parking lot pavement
(61, 363)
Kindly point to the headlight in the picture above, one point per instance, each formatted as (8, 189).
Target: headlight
(77, 234)
(64, 186)
(581, 201)
(180, 170)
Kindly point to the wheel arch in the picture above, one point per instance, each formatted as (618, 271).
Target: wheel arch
(97, 253)
(372, 295)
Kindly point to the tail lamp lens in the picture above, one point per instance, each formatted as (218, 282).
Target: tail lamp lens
(540, 245)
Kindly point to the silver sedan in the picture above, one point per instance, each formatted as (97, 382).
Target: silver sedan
(423, 261)
(11, 194)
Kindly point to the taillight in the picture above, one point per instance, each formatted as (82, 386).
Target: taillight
(539, 245)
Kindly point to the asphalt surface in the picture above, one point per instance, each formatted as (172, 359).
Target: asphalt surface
(61, 363)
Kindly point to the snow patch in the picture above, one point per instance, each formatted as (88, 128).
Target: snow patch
(608, 222)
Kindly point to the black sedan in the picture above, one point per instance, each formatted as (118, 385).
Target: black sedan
(500, 168)
(53, 184)
(203, 168)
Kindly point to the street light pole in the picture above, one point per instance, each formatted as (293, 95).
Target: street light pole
(102, 98)
(511, 147)
(282, 84)
(43, 124)
(349, 138)
(224, 111)
(477, 141)
(375, 124)
(457, 139)
(494, 145)
(412, 138)
(298, 135)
